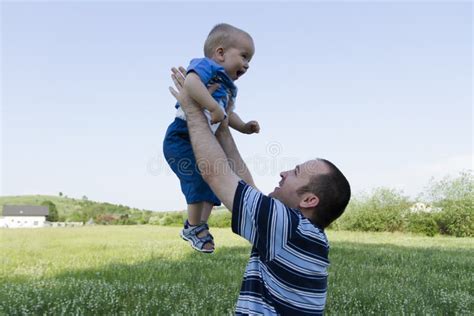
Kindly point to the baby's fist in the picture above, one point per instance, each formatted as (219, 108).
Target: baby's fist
(252, 127)
(217, 116)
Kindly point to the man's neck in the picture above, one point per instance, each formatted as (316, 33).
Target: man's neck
(310, 214)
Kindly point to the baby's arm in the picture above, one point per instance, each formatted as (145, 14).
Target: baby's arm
(247, 128)
(198, 92)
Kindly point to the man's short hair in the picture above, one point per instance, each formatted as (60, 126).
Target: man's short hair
(222, 34)
(333, 191)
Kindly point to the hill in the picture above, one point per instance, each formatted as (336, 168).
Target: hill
(70, 209)
(65, 206)
(82, 210)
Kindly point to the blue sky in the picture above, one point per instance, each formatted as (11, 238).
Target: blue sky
(382, 89)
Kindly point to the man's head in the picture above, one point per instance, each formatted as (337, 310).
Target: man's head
(318, 188)
(230, 47)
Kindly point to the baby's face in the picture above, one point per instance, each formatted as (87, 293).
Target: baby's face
(237, 58)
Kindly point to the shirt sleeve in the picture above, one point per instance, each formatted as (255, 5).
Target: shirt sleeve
(203, 68)
(265, 222)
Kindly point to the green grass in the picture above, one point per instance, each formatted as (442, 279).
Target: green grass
(150, 270)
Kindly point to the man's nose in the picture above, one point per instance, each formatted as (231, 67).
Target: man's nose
(246, 65)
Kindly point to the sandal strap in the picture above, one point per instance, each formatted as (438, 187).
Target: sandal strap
(206, 239)
(198, 229)
(191, 233)
(194, 230)
(199, 242)
(206, 226)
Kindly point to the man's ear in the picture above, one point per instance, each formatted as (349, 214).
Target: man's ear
(309, 200)
(219, 53)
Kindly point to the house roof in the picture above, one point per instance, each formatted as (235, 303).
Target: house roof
(25, 210)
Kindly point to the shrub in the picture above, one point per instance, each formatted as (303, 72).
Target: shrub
(145, 217)
(107, 219)
(166, 221)
(154, 220)
(422, 223)
(52, 211)
(383, 210)
(136, 218)
(220, 218)
(456, 218)
(78, 216)
(454, 196)
(172, 219)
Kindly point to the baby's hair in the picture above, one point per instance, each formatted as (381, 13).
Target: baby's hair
(222, 34)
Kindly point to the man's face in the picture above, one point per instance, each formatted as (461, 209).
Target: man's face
(237, 58)
(294, 179)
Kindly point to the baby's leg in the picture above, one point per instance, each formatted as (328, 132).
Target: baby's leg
(206, 211)
(195, 213)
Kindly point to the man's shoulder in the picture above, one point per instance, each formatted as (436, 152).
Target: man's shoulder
(311, 231)
(246, 191)
(311, 240)
(258, 200)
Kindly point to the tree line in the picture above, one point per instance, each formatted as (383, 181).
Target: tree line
(445, 207)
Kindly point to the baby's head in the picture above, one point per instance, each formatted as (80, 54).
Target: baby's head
(230, 47)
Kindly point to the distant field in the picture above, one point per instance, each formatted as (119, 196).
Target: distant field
(149, 269)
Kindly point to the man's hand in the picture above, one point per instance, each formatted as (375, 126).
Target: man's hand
(251, 127)
(178, 75)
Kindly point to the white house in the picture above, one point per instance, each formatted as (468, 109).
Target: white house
(24, 216)
(422, 207)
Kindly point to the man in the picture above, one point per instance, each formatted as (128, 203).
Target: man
(287, 269)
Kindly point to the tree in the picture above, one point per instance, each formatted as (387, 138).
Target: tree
(52, 211)
(460, 188)
(454, 196)
(60, 194)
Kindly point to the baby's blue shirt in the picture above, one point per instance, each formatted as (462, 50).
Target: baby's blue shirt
(211, 72)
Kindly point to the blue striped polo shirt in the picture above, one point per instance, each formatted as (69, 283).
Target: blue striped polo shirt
(287, 270)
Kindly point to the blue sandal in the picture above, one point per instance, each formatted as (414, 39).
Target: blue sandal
(190, 234)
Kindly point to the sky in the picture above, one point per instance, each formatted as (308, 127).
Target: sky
(382, 89)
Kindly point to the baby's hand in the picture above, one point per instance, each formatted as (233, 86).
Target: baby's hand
(251, 127)
(217, 116)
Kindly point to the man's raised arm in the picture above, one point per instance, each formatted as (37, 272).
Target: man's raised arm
(210, 157)
(236, 162)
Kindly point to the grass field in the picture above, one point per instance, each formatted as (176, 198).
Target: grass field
(149, 270)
